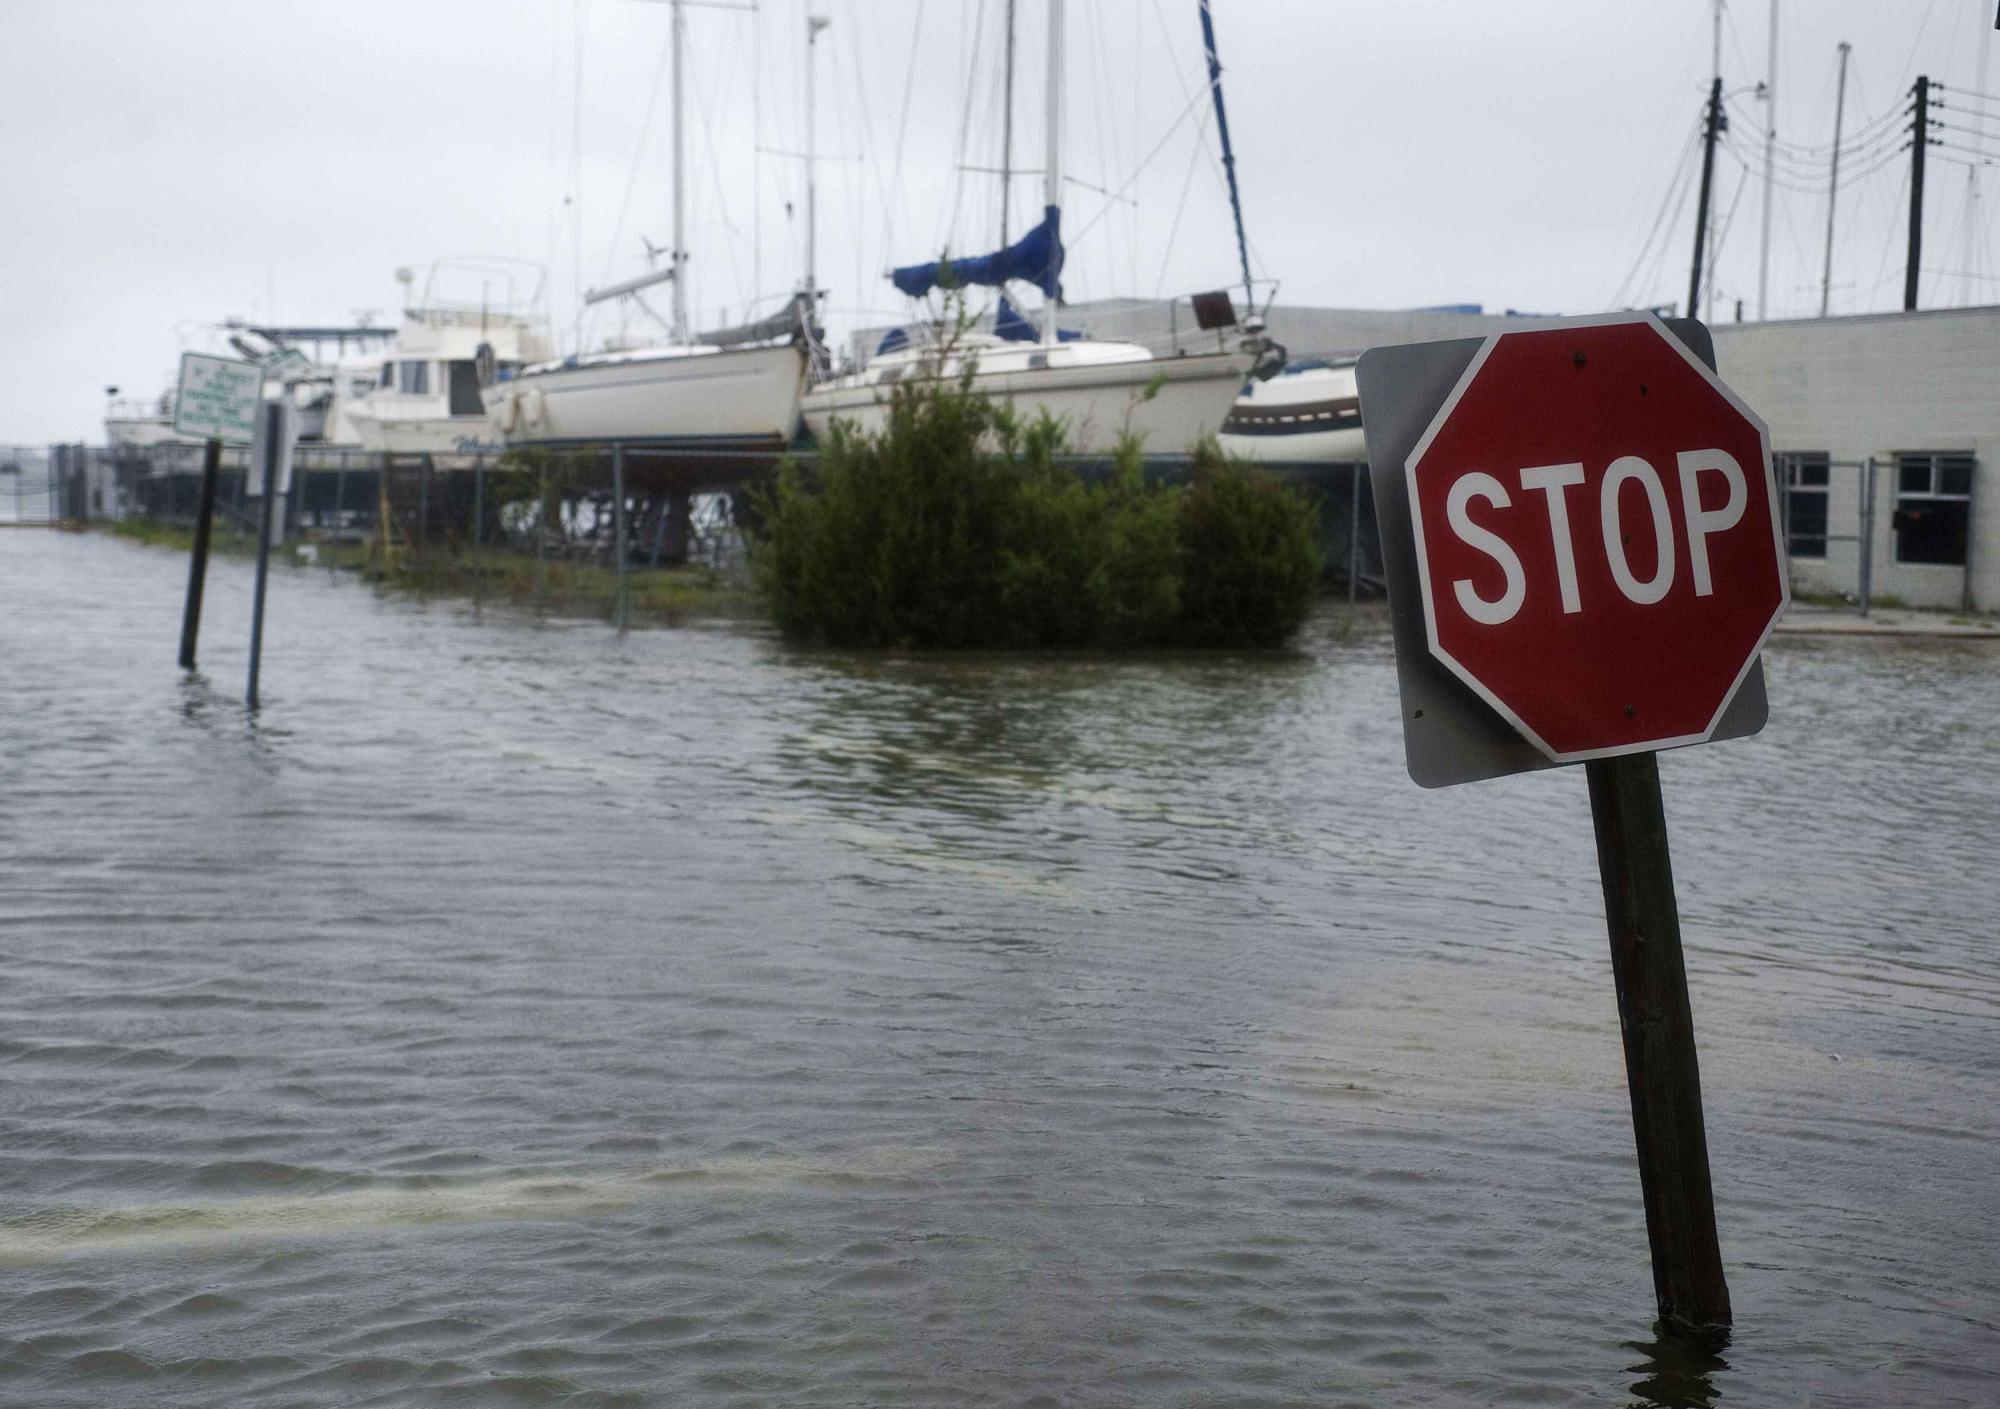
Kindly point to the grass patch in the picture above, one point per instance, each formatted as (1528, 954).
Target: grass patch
(654, 596)
(225, 538)
(556, 586)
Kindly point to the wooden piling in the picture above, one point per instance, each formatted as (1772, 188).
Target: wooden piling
(1658, 1027)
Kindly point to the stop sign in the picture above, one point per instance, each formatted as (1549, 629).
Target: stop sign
(1597, 536)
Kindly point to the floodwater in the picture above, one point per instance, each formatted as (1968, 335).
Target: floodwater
(515, 1014)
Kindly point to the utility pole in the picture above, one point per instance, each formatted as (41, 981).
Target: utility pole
(1712, 130)
(1919, 139)
(1833, 185)
(1770, 159)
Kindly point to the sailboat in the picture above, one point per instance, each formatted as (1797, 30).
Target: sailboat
(1302, 413)
(730, 389)
(1097, 389)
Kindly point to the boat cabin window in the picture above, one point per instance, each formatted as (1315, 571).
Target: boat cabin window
(1037, 361)
(463, 386)
(413, 378)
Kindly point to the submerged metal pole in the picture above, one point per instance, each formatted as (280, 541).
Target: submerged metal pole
(204, 519)
(274, 430)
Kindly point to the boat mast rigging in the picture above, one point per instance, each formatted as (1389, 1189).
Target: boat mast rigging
(1052, 167)
(677, 257)
(1228, 153)
(814, 24)
(1007, 129)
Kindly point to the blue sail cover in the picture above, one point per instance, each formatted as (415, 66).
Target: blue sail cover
(1036, 258)
(1011, 325)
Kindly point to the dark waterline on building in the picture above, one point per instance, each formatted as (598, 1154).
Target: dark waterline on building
(519, 1014)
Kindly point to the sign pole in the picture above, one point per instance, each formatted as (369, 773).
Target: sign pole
(1585, 554)
(1658, 1027)
(274, 432)
(211, 467)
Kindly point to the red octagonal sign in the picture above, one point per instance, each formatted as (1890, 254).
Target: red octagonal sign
(1597, 536)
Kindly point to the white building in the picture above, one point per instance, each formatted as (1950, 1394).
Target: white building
(1915, 395)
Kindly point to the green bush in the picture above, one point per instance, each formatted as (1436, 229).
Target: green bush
(1250, 556)
(956, 527)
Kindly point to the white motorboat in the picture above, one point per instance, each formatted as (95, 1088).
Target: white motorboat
(1095, 389)
(428, 397)
(1307, 414)
(733, 389)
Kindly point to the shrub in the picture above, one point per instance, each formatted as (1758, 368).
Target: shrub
(956, 527)
(1250, 555)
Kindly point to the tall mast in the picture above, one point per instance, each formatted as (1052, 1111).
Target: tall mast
(1052, 165)
(1228, 153)
(814, 24)
(1833, 183)
(678, 255)
(1007, 129)
(1770, 158)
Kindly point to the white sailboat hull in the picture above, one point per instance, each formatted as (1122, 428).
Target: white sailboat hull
(1095, 402)
(675, 398)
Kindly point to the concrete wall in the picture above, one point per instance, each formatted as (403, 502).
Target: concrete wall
(1874, 385)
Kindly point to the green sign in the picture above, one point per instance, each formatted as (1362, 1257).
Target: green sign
(218, 397)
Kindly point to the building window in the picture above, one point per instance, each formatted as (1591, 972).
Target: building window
(1933, 517)
(1804, 474)
(413, 378)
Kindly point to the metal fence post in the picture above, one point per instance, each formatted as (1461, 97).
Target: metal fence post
(1353, 537)
(1865, 569)
(621, 610)
(1971, 520)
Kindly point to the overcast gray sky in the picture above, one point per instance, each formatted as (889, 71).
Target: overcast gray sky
(166, 166)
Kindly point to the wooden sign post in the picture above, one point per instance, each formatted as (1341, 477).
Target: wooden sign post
(1580, 533)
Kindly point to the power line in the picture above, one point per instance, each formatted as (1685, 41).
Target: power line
(1672, 197)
